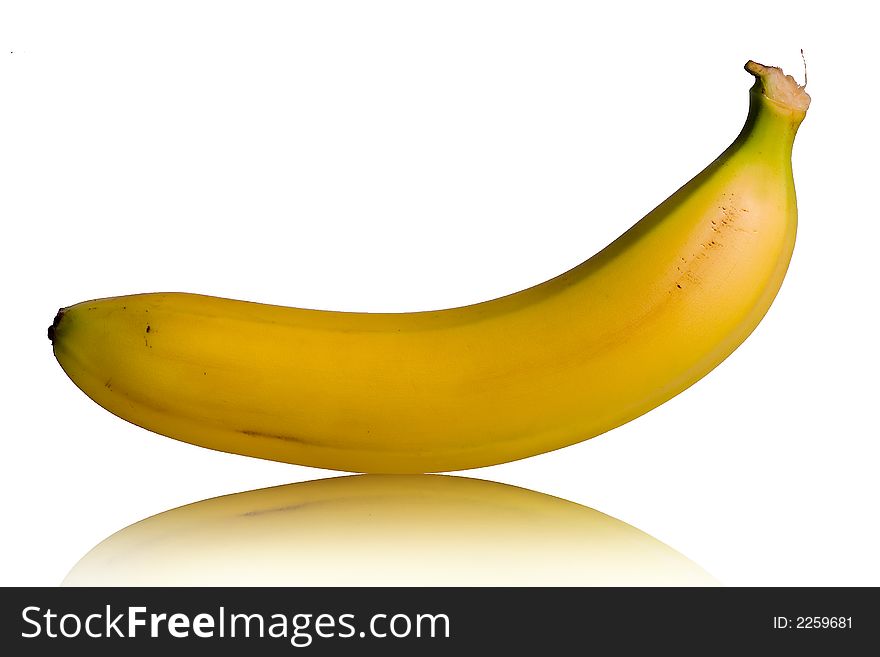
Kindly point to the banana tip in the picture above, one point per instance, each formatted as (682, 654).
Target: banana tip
(54, 325)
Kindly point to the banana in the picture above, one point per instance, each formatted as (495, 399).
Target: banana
(460, 388)
(385, 530)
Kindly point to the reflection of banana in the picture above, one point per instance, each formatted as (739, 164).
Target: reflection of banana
(466, 387)
(384, 530)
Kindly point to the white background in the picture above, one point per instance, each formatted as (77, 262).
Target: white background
(395, 156)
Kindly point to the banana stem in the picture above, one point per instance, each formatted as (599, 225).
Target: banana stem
(779, 87)
(778, 105)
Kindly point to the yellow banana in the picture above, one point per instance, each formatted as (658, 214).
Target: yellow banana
(385, 530)
(465, 387)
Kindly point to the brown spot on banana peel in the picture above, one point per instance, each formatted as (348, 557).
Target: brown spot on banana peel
(402, 449)
(276, 436)
(287, 438)
(726, 222)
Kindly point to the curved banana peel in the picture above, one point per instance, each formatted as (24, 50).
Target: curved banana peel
(466, 387)
(385, 530)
